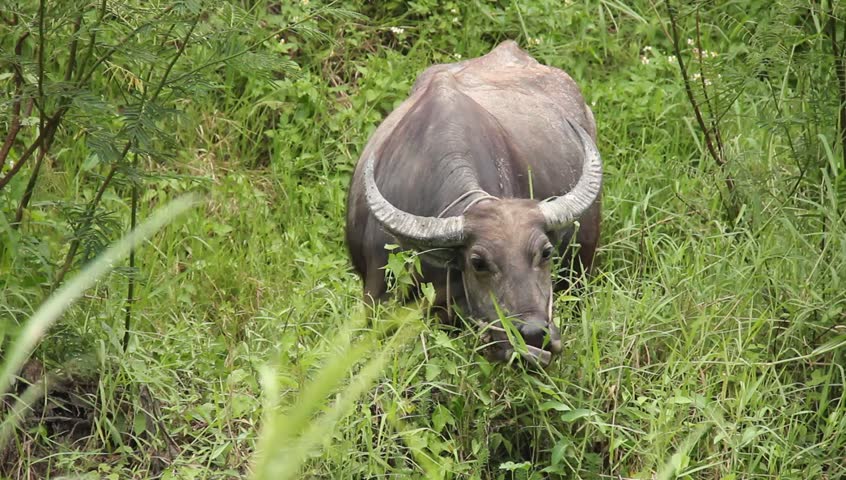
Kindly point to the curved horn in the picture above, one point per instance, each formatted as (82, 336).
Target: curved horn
(417, 230)
(559, 212)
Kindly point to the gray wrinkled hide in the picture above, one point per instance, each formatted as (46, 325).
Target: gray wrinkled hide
(476, 124)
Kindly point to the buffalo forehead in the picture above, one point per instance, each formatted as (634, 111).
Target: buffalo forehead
(504, 223)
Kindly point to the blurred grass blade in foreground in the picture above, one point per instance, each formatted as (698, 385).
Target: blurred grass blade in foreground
(52, 309)
(289, 437)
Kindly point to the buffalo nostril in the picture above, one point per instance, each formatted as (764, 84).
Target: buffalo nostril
(533, 334)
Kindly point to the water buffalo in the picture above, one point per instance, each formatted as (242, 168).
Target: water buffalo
(483, 170)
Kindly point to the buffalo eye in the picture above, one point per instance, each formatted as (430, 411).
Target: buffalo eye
(479, 264)
(546, 253)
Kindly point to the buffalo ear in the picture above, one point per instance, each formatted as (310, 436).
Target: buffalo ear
(442, 257)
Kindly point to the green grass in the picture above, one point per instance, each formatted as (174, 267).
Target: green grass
(704, 347)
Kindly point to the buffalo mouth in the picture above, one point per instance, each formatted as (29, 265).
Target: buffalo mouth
(499, 349)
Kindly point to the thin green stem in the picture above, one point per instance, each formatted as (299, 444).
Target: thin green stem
(130, 289)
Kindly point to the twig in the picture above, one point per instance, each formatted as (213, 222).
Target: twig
(42, 121)
(709, 142)
(15, 120)
(130, 289)
(48, 131)
(30, 188)
(47, 141)
(790, 143)
(175, 58)
(74, 246)
(45, 144)
(89, 212)
(689, 90)
(52, 124)
(92, 41)
(114, 48)
(84, 75)
(253, 45)
(49, 126)
(73, 46)
(715, 125)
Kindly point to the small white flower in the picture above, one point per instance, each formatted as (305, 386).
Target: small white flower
(281, 41)
(698, 76)
(536, 41)
(644, 59)
(671, 59)
(647, 49)
(690, 41)
(453, 10)
(457, 56)
(397, 30)
(454, 19)
(714, 55)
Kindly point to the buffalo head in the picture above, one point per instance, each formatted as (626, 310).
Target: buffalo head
(503, 249)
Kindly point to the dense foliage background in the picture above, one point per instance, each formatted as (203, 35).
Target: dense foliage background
(710, 343)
